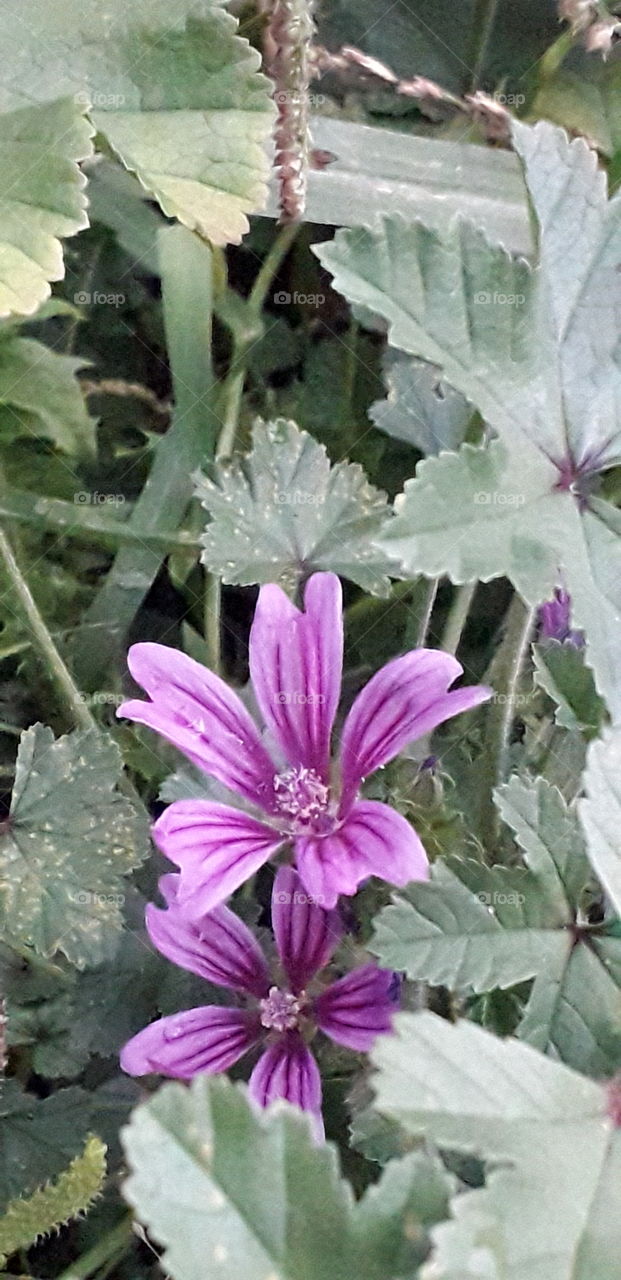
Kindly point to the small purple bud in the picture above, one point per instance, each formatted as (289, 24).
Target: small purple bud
(555, 620)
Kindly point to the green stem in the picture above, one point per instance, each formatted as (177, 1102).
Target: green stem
(482, 27)
(457, 617)
(59, 672)
(233, 388)
(212, 609)
(506, 674)
(114, 1242)
(425, 620)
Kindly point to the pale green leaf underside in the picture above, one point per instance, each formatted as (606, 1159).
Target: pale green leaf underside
(173, 89)
(420, 407)
(282, 512)
(68, 841)
(41, 198)
(465, 1088)
(560, 669)
(198, 1159)
(600, 812)
(446, 934)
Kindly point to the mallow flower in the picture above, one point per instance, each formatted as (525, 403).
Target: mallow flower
(281, 1016)
(292, 792)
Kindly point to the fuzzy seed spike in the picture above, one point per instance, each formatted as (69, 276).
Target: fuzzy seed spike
(52, 1206)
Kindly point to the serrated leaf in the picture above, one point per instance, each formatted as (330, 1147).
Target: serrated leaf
(600, 812)
(41, 198)
(26, 1220)
(536, 351)
(172, 87)
(282, 512)
(68, 841)
(39, 1137)
(446, 934)
(40, 395)
(420, 407)
(477, 514)
(561, 671)
(198, 1158)
(548, 833)
(475, 928)
(544, 1124)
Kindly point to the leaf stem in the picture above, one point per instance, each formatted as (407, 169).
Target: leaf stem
(232, 390)
(59, 672)
(113, 1245)
(482, 26)
(457, 617)
(425, 620)
(506, 673)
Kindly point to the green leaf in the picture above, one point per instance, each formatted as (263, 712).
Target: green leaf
(41, 198)
(420, 407)
(585, 102)
(39, 1137)
(446, 934)
(536, 351)
(282, 512)
(561, 671)
(198, 1158)
(475, 928)
(543, 1124)
(459, 302)
(173, 89)
(40, 395)
(68, 841)
(600, 812)
(50, 1207)
(479, 513)
(549, 835)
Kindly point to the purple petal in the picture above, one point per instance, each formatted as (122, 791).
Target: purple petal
(555, 620)
(359, 1007)
(306, 935)
(219, 948)
(287, 1070)
(374, 840)
(216, 847)
(204, 1039)
(295, 663)
(196, 711)
(403, 701)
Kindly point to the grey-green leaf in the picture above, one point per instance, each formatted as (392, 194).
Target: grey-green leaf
(283, 511)
(420, 407)
(600, 812)
(69, 839)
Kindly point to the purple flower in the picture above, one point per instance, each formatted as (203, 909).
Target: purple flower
(555, 620)
(220, 948)
(286, 776)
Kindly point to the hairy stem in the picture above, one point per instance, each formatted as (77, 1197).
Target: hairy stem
(457, 617)
(58, 671)
(506, 675)
(482, 27)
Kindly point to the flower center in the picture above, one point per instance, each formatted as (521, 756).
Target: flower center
(280, 1010)
(303, 799)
